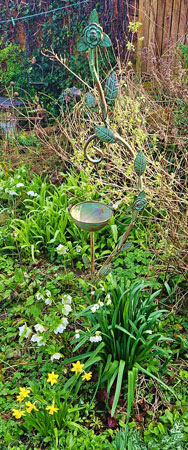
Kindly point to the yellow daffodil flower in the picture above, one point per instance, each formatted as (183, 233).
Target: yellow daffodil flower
(87, 376)
(24, 392)
(19, 398)
(30, 407)
(77, 367)
(52, 378)
(18, 413)
(51, 409)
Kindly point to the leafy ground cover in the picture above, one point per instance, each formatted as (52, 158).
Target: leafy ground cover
(64, 377)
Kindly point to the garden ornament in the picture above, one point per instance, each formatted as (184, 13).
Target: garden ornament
(92, 216)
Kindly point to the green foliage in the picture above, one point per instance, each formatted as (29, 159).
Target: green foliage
(105, 134)
(184, 53)
(140, 164)
(111, 88)
(11, 64)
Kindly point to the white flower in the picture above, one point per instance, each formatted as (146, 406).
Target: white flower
(48, 293)
(109, 301)
(108, 296)
(62, 249)
(78, 249)
(92, 292)
(19, 185)
(62, 326)
(100, 303)
(55, 356)
(95, 307)
(66, 310)
(24, 330)
(48, 301)
(39, 296)
(148, 331)
(95, 338)
(67, 299)
(10, 192)
(32, 194)
(76, 336)
(38, 339)
(39, 327)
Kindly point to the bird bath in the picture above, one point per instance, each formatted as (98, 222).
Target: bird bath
(91, 216)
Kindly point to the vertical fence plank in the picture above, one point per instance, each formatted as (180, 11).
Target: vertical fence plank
(183, 21)
(144, 13)
(167, 25)
(175, 21)
(152, 33)
(159, 27)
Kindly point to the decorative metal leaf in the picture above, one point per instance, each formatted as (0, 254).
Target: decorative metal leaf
(86, 260)
(140, 164)
(105, 134)
(106, 41)
(82, 46)
(111, 88)
(126, 246)
(105, 271)
(140, 202)
(94, 18)
(91, 100)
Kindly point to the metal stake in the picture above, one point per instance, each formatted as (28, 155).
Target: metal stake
(92, 243)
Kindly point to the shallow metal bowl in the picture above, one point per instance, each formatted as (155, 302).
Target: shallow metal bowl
(91, 216)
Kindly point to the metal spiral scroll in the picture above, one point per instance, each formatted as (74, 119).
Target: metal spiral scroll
(98, 151)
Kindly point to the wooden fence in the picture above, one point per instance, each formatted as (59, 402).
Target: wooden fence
(163, 24)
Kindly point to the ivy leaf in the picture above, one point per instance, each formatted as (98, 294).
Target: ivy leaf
(111, 88)
(105, 134)
(82, 46)
(140, 203)
(140, 164)
(106, 41)
(91, 100)
(94, 18)
(105, 271)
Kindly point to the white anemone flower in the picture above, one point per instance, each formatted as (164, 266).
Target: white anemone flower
(66, 310)
(76, 336)
(38, 339)
(39, 296)
(62, 249)
(56, 356)
(39, 327)
(32, 194)
(67, 299)
(48, 301)
(78, 249)
(18, 185)
(62, 326)
(24, 329)
(10, 192)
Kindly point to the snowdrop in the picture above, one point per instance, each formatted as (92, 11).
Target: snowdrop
(38, 339)
(62, 326)
(24, 330)
(18, 185)
(95, 338)
(39, 327)
(32, 194)
(95, 307)
(100, 303)
(56, 356)
(77, 334)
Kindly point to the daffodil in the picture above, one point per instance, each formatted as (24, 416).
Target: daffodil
(24, 392)
(18, 413)
(51, 409)
(30, 407)
(87, 376)
(77, 367)
(52, 378)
